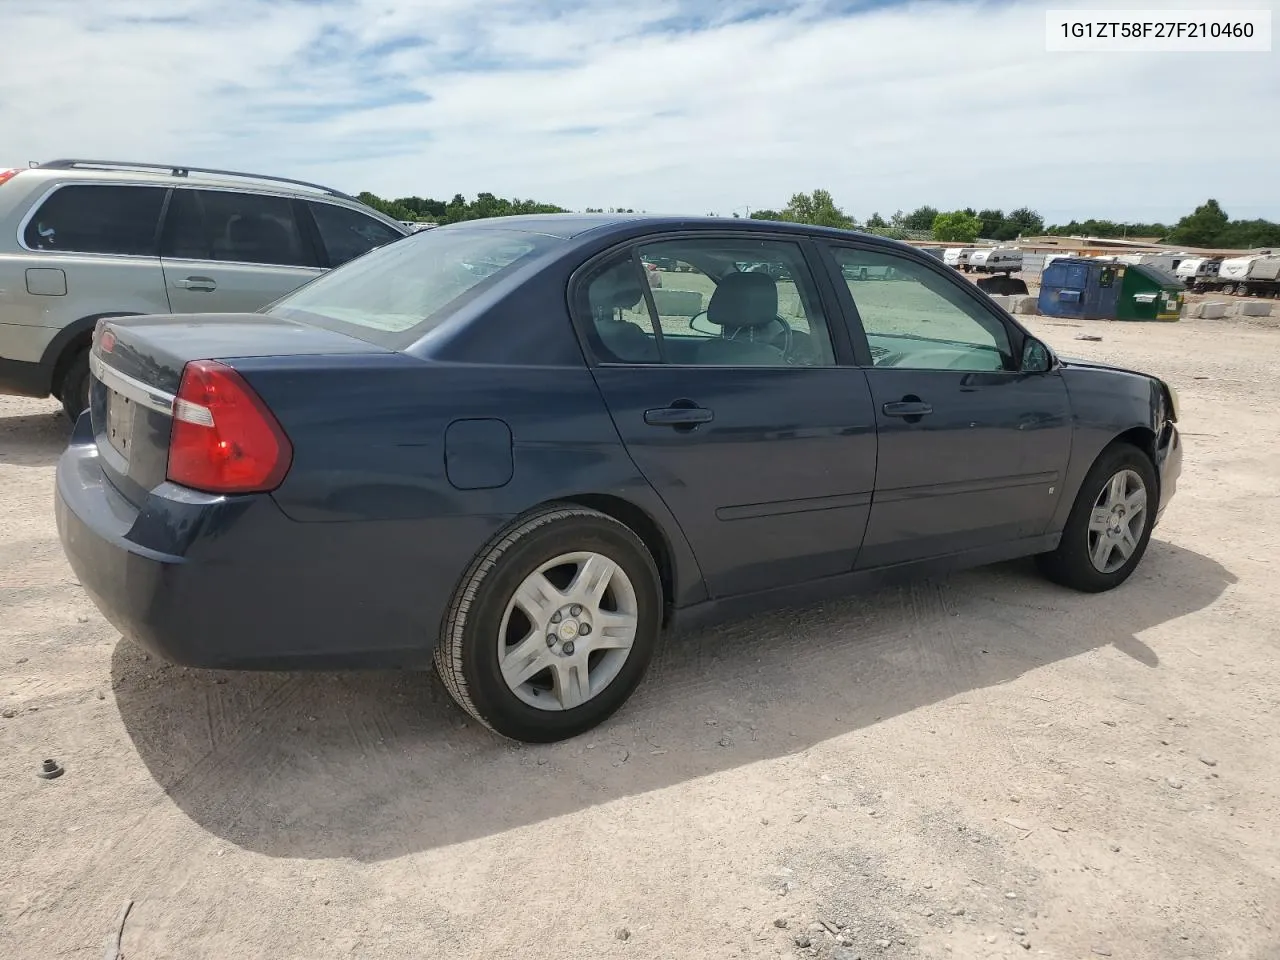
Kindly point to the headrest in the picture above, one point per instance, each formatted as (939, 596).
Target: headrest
(744, 300)
(615, 289)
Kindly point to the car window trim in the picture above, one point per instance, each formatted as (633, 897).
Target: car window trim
(842, 345)
(827, 246)
(35, 208)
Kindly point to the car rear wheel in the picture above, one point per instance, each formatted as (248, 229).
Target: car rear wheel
(553, 626)
(73, 391)
(1110, 523)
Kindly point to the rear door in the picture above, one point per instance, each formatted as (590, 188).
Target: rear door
(95, 253)
(230, 251)
(726, 387)
(971, 450)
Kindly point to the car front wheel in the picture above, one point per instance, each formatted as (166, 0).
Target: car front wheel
(553, 626)
(1110, 523)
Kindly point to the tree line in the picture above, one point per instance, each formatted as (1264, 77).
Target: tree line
(456, 210)
(1207, 226)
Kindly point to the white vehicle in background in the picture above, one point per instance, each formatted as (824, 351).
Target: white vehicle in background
(1256, 275)
(997, 260)
(958, 257)
(1195, 271)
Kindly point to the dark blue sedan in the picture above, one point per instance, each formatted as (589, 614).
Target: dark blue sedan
(502, 447)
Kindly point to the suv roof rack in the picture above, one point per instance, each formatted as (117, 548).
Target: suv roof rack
(182, 171)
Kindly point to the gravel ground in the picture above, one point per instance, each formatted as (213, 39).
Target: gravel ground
(981, 766)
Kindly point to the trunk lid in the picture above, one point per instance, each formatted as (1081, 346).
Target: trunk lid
(137, 363)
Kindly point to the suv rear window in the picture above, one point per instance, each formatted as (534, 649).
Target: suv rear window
(400, 291)
(347, 234)
(97, 218)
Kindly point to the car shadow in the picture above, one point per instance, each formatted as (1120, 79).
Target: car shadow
(34, 439)
(375, 765)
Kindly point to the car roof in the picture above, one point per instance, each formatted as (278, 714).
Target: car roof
(567, 226)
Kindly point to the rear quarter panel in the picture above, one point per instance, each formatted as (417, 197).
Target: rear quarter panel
(1105, 403)
(374, 451)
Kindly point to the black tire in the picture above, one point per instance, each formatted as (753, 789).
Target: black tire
(1070, 565)
(73, 391)
(466, 656)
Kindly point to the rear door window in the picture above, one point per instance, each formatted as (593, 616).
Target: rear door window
(97, 218)
(347, 234)
(235, 227)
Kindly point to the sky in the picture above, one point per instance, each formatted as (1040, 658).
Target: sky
(667, 106)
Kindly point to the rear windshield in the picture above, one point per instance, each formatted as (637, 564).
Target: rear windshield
(395, 294)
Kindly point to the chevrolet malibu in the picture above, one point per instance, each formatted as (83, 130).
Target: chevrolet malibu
(499, 447)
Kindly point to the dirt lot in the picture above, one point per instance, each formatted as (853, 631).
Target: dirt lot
(985, 766)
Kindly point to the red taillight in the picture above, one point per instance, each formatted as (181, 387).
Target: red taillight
(7, 174)
(224, 439)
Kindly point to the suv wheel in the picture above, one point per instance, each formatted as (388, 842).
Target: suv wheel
(73, 391)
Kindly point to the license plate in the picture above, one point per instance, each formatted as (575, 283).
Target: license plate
(119, 422)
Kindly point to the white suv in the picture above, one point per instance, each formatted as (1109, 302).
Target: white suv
(85, 239)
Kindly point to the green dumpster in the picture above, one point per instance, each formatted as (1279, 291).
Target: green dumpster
(1148, 293)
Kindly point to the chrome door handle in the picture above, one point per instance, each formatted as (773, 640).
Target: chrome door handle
(197, 283)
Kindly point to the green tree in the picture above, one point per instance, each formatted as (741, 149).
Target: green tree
(1202, 228)
(992, 220)
(1027, 221)
(1244, 234)
(957, 226)
(876, 222)
(920, 218)
(817, 208)
(766, 215)
(1107, 228)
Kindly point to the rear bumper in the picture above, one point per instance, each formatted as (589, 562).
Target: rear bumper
(1169, 465)
(231, 582)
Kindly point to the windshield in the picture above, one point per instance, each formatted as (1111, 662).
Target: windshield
(396, 293)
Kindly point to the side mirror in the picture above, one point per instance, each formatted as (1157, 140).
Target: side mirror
(1036, 357)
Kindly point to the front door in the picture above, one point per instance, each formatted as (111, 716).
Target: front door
(724, 386)
(227, 251)
(971, 450)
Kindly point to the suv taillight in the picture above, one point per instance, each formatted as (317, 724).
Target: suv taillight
(224, 438)
(7, 174)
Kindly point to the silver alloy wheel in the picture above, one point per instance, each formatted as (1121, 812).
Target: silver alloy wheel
(1116, 522)
(568, 630)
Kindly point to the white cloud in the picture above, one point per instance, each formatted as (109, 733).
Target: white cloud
(692, 110)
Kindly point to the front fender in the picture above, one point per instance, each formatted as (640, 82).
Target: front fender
(1109, 404)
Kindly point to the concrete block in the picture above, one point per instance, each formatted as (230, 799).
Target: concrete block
(1006, 302)
(1209, 309)
(677, 303)
(1252, 308)
(1026, 305)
